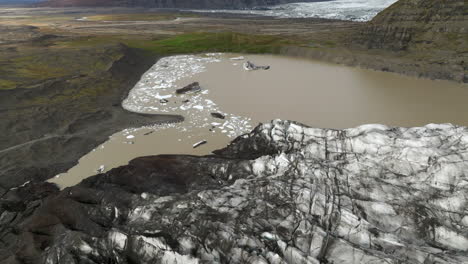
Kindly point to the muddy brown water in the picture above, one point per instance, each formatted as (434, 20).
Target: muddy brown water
(314, 93)
(332, 96)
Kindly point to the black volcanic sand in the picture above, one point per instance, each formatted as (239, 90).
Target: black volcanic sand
(49, 124)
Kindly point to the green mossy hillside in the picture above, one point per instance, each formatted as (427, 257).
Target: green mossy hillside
(212, 42)
(33, 66)
(191, 43)
(66, 58)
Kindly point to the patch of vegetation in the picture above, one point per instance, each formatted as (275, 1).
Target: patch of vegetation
(87, 42)
(94, 54)
(79, 90)
(330, 44)
(212, 42)
(191, 43)
(39, 19)
(7, 84)
(36, 65)
(137, 17)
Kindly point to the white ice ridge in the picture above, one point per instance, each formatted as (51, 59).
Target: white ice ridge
(286, 193)
(155, 94)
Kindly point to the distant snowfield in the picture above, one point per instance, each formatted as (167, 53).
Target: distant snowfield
(355, 10)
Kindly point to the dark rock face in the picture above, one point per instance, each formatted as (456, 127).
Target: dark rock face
(284, 193)
(202, 4)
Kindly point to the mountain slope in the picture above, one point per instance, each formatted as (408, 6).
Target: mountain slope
(411, 22)
(427, 36)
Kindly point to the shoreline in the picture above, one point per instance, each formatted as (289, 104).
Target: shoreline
(83, 133)
(385, 63)
(155, 93)
(345, 47)
(374, 59)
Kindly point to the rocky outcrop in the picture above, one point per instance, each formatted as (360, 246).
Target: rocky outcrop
(202, 4)
(285, 193)
(191, 88)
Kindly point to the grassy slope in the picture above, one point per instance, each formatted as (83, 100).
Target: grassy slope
(193, 43)
(32, 66)
(137, 17)
(62, 58)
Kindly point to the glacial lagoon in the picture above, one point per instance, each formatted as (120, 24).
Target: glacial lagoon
(314, 93)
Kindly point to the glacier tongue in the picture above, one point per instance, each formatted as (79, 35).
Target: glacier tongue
(355, 10)
(284, 193)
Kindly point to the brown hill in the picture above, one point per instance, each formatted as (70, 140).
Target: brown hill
(426, 36)
(416, 23)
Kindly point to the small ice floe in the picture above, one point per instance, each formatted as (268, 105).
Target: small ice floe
(130, 136)
(238, 58)
(191, 88)
(198, 144)
(209, 102)
(218, 115)
(159, 83)
(249, 66)
(214, 54)
(100, 169)
(164, 96)
(161, 79)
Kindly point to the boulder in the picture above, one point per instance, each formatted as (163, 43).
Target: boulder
(218, 115)
(191, 88)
